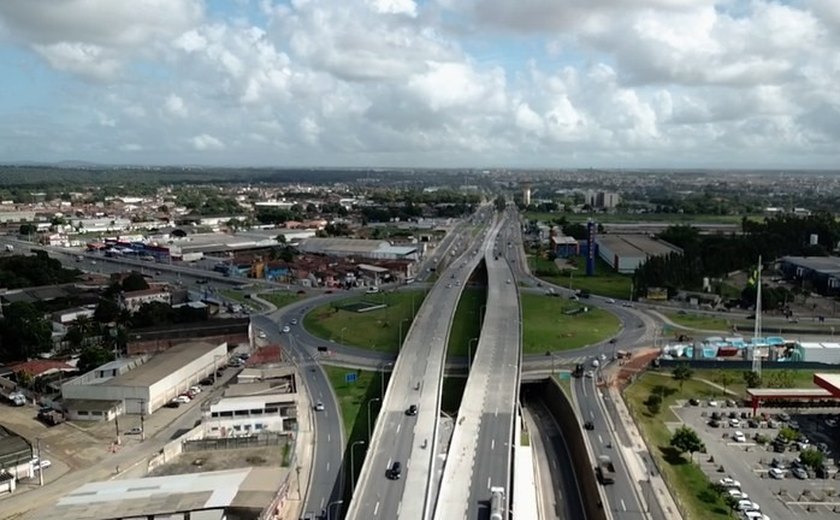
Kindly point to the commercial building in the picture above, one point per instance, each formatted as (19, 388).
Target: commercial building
(133, 300)
(243, 494)
(376, 249)
(144, 386)
(627, 252)
(267, 410)
(816, 352)
(564, 246)
(15, 455)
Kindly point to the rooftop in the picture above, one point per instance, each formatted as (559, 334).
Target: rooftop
(247, 488)
(821, 264)
(163, 364)
(830, 382)
(636, 245)
(815, 393)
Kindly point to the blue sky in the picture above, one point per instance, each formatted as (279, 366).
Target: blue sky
(438, 83)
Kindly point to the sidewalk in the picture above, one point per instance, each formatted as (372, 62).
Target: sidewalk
(634, 458)
(291, 508)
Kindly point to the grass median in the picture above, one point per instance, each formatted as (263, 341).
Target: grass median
(378, 329)
(281, 298)
(466, 326)
(691, 488)
(554, 324)
(699, 321)
(605, 281)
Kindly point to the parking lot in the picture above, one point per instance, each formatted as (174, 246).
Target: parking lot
(779, 492)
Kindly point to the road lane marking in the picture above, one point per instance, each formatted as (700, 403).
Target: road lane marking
(492, 444)
(488, 483)
(329, 437)
(399, 426)
(600, 440)
(376, 509)
(328, 466)
(623, 506)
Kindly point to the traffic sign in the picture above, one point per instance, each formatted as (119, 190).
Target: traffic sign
(350, 377)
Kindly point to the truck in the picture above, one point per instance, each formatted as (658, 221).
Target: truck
(605, 470)
(17, 399)
(497, 503)
(10, 248)
(192, 257)
(578, 372)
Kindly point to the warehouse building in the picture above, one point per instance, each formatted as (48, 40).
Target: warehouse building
(627, 252)
(817, 352)
(245, 493)
(821, 272)
(376, 249)
(145, 387)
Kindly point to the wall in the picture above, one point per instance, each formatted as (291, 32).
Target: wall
(746, 365)
(172, 449)
(562, 411)
(188, 375)
(159, 344)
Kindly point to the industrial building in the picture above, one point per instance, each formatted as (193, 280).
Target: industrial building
(816, 352)
(267, 410)
(627, 252)
(142, 385)
(15, 456)
(244, 494)
(821, 272)
(376, 249)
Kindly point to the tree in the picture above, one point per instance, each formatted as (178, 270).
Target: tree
(654, 403)
(752, 379)
(27, 229)
(25, 331)
(686, 440)
(78, 332)
(682, 373)
(281, 238)
(106, 311)
(92, 357)
(500, 203)
(812, 458)
(724, 379)
(134, 282)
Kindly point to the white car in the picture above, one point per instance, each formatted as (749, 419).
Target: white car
(372, 290)
(714, 404)
(729, 482)
(734, 422)
(183, 399)
(294, 321)
(589, 374)
(319, 406)
(737, 493)
(747, 505)
(755, 515)
(739, 437)
(38, 464)
(286, 329)
(610, 300)
(261, 335)
(596, 363)
(136, 430)
(776, 473)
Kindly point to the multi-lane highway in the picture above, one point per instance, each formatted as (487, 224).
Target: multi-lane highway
(479, 455)
(405, 437)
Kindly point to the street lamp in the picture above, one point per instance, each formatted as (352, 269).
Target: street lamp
(353, 465)
(469, 354)
(399, 346)
(329, 506)
(341, 336)
(368, 410)
(382, 378)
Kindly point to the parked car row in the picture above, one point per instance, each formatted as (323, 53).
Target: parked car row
(748, 509)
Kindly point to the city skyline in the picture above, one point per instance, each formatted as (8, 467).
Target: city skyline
(438, 83)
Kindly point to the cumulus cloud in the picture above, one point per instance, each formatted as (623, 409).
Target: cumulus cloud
(368, 82)
(207, 142)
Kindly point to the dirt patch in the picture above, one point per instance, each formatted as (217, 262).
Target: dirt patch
(215, 460)
(629, 368)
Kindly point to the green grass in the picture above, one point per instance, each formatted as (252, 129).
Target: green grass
(281, 298)
(687, 482)
(548, 328)
(466, 324)
(377, 330)
(605, 281)
(699, 321)
(771, 378)
(630, 218)
(237, 296)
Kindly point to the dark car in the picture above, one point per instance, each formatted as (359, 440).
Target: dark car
(207, 381)
(202, 281)
(412, 410)
(172, 404)
(394, 471)
(694, 401)
(589, 425)
(714, 423)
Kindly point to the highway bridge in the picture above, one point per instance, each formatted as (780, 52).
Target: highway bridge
(479, 456)
(417, 380)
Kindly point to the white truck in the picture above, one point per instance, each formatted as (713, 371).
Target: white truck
(497, 503)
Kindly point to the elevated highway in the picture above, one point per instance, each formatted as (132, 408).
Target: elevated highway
(417, 379)
(479, 455)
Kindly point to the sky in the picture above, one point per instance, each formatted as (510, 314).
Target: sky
(422, 83)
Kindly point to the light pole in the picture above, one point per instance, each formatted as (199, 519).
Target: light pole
(368, 410)
(469, 353)
(353, 465)
(329, 506)
(341, 336)
(382, 379)
(399, 344)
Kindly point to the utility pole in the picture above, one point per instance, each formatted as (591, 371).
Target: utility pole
(117, 426)
(40, 469)
(142, 419)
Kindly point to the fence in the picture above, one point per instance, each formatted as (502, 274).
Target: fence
(745, 365)
(230, 443)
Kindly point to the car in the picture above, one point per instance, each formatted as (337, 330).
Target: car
(207, 381)
(823, 447)
(319, 406)
(596, 363)
(610, 300)
(195, 389)
(202, 281)
(776, 473)
(793, 424)
(372, 290)
(588, 425)
(626, 304)
(755, 515)
(729, 482)
(799, 473)
(134, 430)
(713, 403)
(39, 464)
(412, 410)
(173, 404)
(694, 401)
(735, 422)
(294, 321)
(508, 281)
(602, 357)
(747, 505)
(589, 374)
(286, 329)
(158, 273)
(261, 335)
(783, 417)
(739, 436)
(395, 471)
(831, 423)
(737, 493)
(778, 464)
(182, 399)
(714, 423)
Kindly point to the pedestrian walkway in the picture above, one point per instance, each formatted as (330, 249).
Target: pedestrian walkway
(635, 456)
(292, 506)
